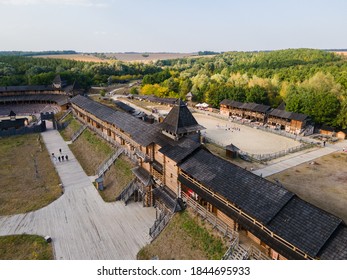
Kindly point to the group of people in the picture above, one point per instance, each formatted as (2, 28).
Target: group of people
(228, 128)
(61, 157)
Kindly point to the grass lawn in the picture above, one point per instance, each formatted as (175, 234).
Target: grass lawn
(324, 183)
(25, 247)
(117, 178)
(70, 130)
(91, 150)
(28, 178)
(185, 238)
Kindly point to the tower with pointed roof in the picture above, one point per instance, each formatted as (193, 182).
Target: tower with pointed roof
(180, 122)
(57, 82)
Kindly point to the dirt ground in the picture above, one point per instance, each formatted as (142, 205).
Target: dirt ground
(28, 178)
(224, 132)
(219, 151)
(322, 183)
(248, 139)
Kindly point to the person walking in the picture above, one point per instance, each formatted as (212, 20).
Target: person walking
(66, 157)
(59, 158)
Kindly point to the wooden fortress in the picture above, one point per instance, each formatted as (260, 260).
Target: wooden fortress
(172, 164)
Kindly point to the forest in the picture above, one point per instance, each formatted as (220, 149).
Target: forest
(309, 81)
(21, 70)
(313, 82)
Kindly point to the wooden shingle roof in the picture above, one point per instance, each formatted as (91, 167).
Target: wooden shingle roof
(304, 225)
(60, 99)
(178, 150)
(307, 227)
(288, 115)
(232, 103)
(143, 175)
(141, 132)
(246, 106)
(336, 247)
(256, 107)
(180, 120)
(255, 195)
(124, 106)
(25, 88)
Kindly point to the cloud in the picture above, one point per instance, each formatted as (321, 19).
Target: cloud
(83, 3)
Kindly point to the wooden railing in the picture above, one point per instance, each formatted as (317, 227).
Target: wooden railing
(217, 223)
(78, 133)
(108, 162)
(65, 115)
(128, 191)
(160, 223)
(246, 216)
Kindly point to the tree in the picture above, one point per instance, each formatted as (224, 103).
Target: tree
(257, 94)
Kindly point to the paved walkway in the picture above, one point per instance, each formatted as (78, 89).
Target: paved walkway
(280, 166)
(80, 223)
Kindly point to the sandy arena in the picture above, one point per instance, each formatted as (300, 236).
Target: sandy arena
(250, 140)
(247, 139)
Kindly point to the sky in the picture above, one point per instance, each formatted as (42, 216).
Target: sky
(172, 25)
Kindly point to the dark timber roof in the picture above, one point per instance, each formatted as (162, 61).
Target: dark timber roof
(141, 132)
(254, 195)
(143, 175)
(168, 198)
(246, 106)
(312, 230)
(304, 225)
(336, 247)
(60, 99)
(232, 148)
(25, 88)
(178, 150)
(180, 120)
(256, 107)
(288, 115)
(232, 103)
(124, 106)
(57, 80)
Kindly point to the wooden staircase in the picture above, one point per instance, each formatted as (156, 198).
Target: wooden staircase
(128, 191)
(65, 115)
(160, 223)
(108, 162)
(239, 253)
(78, 133)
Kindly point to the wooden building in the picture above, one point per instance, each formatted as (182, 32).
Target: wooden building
(172, 164)
(232, 151)
(56, 93)
(231, 108)
(341, 134)
(288, 121)
(251, 111)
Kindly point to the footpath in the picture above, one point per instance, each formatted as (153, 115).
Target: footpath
(80, 223)
(294, 160)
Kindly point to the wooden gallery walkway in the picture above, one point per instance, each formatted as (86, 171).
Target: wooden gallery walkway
(81, 224)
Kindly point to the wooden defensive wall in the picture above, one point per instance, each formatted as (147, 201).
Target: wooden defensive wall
(171, 164)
